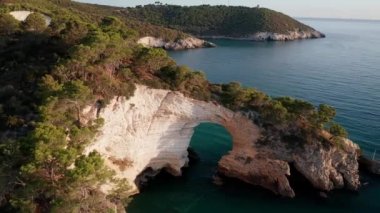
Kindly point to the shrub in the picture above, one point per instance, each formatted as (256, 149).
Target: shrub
(8, 24)
(274, 113)
(35, 22)
(325, 113)
(338, 130)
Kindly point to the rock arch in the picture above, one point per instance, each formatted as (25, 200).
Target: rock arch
(153, 130)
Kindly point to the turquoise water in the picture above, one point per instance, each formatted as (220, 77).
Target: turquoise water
(342, 70)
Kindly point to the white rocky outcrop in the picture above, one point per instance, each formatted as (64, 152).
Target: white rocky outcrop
(152, 131)
(21, 15)
(290, 36)
(181, 44)
(270, 36)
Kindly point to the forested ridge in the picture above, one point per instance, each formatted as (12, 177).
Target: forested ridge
(206, 20)
(88, 55)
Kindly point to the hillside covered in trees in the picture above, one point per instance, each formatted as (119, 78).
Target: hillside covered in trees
(88, 55)
(206, 20)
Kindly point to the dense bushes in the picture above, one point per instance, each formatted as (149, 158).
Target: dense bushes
(287, 114)
(183, 79)
(338, 130)
(47, 77)
(48, 74)
(35, 22)
(8, 24)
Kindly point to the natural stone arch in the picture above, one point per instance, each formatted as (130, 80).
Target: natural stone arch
(153, 130)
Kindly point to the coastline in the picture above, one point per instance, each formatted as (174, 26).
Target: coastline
(270, 36)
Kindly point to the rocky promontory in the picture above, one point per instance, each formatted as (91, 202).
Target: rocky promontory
(228, 22)
(152, 131)
(326, 167)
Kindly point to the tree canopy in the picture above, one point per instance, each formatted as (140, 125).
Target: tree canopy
(8, 24)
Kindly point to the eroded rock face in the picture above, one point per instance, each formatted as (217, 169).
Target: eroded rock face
(257, 170)
(152, 131)
(187, 43)
(327, 167)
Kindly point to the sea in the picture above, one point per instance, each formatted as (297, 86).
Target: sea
(342, 70)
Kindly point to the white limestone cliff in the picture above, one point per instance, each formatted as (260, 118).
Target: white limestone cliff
(152, 131)
(22, 15)
(181, 44)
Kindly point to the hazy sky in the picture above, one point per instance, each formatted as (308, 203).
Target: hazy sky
(352, 9)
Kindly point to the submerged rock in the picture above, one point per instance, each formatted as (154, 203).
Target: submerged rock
(323, 195)
(217, 180)
(371, 166)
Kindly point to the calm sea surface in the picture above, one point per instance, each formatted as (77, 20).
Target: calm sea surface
(342, 70)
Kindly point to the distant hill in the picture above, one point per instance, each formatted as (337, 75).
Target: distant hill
(206, 20)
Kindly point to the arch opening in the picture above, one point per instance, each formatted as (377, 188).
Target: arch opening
(208, 144)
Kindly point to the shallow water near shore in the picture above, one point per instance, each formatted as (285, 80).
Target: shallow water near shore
(342, 70)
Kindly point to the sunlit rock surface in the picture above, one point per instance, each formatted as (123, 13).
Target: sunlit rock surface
(23, 14)
(181, 44)
(152, 131)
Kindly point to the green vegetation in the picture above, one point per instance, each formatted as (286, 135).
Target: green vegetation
(209, 20)
(8, 24)
(338, 130)
(89, 55)
(47, 75)
(35, 22)
(296, 120)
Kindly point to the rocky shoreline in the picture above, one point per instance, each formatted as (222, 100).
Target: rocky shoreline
(270, 36)
(181, 44)
(193, 42)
